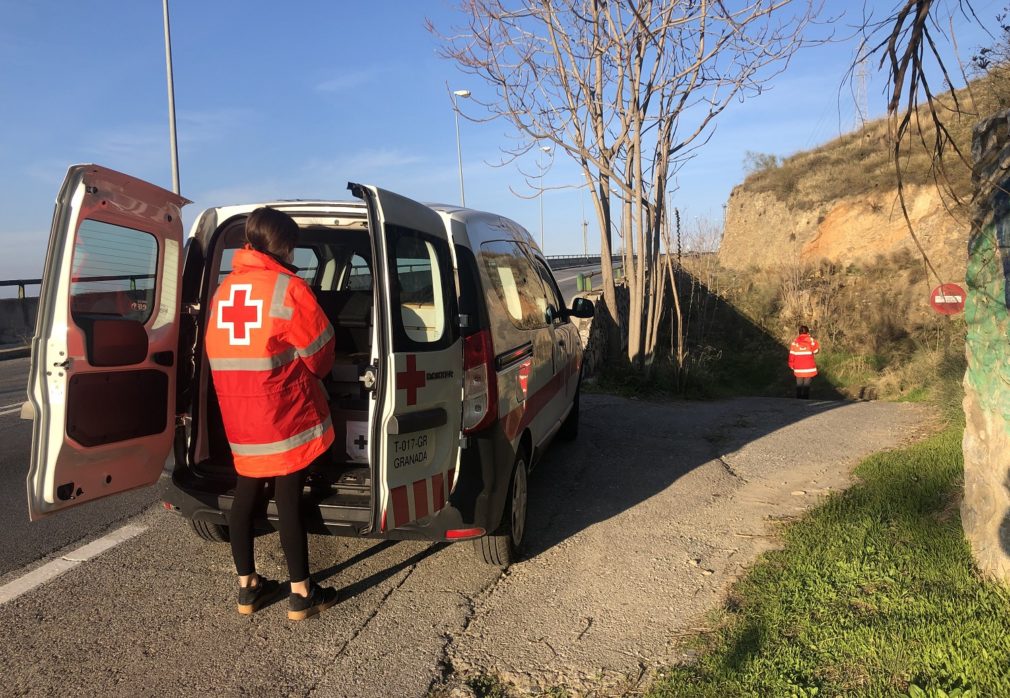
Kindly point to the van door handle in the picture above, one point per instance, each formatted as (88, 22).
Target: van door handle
(417, 421)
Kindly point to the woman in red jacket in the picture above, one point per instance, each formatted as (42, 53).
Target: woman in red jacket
(269, 344)
(802, 362)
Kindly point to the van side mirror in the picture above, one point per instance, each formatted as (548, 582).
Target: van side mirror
(583, 308)
(118, 342)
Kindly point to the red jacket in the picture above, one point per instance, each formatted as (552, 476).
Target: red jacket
(801, 356)
(269, 343)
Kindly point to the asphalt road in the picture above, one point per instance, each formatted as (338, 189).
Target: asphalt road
(568, 280)
(634, 531)
(23, 542)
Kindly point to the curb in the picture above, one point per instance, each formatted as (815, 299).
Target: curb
(15, 353)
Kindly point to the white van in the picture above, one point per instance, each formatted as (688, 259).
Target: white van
(456, 364)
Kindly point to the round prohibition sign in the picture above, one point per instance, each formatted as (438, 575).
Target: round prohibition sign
(947, 299)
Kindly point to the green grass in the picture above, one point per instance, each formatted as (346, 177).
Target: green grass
(873, 594)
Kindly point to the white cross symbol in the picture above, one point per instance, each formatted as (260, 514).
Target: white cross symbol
(243, 314)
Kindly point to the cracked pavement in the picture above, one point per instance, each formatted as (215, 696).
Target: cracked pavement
(634, 533)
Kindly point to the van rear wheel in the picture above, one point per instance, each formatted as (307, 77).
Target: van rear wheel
(502, 547)
(215, 533)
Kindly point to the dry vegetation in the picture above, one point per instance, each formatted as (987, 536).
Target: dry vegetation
(860, 163)
(880, 339)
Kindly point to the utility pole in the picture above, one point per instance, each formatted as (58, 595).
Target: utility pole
(540, 162)
(585, 227)
(862, 75)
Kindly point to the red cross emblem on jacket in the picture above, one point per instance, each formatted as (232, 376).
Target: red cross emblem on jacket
(239, 314)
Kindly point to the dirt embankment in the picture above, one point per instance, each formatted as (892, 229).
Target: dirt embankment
(764, 231)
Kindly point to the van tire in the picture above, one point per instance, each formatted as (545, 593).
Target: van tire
(503, 547)
(569, 430)
(215, 533)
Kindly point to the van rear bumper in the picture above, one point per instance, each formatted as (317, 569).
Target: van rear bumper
(477, 499)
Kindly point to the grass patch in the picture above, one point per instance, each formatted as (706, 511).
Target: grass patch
(874, 594)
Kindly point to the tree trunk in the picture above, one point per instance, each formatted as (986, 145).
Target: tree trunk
(985, 508)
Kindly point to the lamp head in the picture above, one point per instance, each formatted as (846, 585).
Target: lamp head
(461, 93)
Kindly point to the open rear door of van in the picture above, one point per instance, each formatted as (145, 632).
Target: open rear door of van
(419, 353)
(103, 369)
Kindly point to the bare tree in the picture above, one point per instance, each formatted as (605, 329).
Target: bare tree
(629, 89)
(908, 42)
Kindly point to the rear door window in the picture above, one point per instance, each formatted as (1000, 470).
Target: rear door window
(113, 272)
(420, 290)
(516, 283)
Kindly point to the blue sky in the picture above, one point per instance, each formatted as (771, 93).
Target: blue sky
(292, 100)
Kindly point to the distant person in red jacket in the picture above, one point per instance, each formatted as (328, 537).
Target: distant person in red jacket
(802, 362)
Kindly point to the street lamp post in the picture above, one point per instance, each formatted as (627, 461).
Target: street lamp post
(171, 101)
(543, 149)
(459, 151)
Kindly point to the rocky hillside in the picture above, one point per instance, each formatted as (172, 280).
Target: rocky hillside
(839, 203)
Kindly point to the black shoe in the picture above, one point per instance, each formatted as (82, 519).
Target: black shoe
(252, 598)
(319, 599)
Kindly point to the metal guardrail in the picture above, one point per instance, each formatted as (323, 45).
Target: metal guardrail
(569, 261)
(21, 283)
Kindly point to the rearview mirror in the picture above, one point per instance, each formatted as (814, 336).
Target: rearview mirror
(118, 342)
(583, 308)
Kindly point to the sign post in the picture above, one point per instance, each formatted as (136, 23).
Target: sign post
(947, 299)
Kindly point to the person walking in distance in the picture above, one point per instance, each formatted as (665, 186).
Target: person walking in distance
(269, 344)
(802, 362)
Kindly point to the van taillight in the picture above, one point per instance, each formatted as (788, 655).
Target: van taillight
(480, 382)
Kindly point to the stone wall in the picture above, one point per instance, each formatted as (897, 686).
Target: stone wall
(594, 336)
(985, 509)
(17, 320)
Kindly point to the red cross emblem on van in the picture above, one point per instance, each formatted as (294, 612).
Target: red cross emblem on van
(240, 314)
(524, 376)
(411, 379)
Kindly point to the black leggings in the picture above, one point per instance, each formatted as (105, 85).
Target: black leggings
(250, 493)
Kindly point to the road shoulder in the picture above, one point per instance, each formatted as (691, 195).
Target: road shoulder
(633, 544)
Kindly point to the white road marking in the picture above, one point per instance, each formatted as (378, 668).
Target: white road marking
(16, 409)
(6, 407)
(55, 568)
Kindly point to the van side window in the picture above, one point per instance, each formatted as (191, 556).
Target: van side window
(553, 293)
(419, 278)
(516, 283)
(358, 276)
(306, 259)
(113, 272)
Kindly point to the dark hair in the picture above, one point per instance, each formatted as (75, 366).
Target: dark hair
(271, 231)
(804, 329)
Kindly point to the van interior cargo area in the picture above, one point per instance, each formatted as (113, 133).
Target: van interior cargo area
(337, 266)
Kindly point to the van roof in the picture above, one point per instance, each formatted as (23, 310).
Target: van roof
(477, 226)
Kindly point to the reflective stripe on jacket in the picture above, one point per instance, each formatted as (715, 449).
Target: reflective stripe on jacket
(269, 343)
(801, 356)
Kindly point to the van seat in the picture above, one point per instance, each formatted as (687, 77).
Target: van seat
(350, 313)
